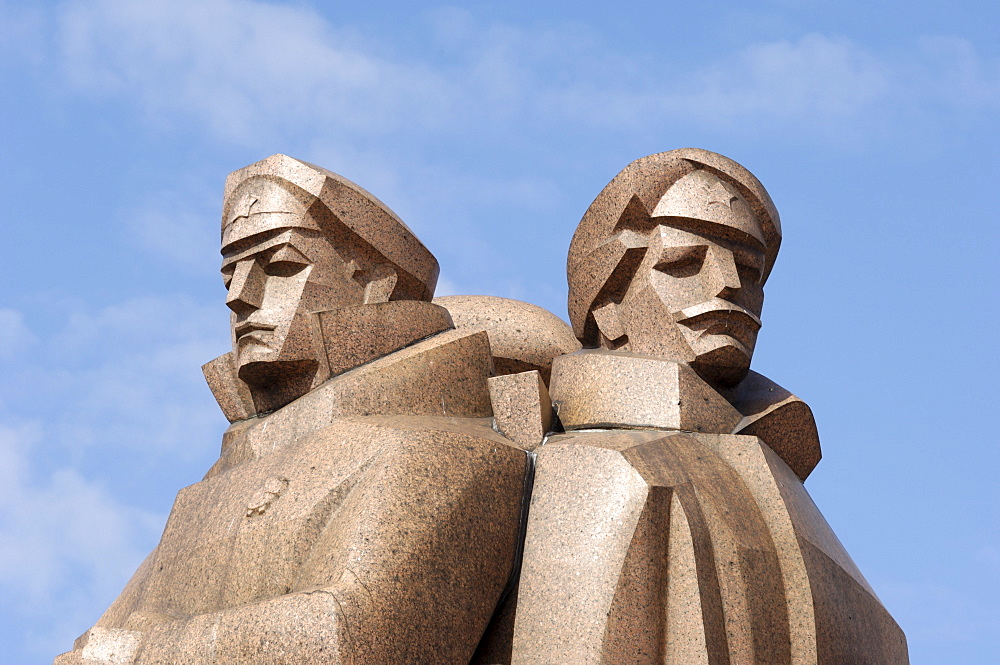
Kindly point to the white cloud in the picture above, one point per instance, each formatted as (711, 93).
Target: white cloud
(181, 227)
(125, 377)
(261, 73)
(141, 323)
(59, 522)
(146, 390)
(122, 381)
(815, 81)
(15, 337)
(953, 70)
(815, 76)
(245, 68)
(65, 542)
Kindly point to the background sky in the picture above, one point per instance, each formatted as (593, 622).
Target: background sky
(489, 128)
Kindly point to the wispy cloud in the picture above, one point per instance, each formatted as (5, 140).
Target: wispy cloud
(121, 381)
(15, 337)
(65, 542)
(949, 68)
(178, 226)
(816, 76)
(244, 68)
(252, 70)
(56, 520)
(104, 377)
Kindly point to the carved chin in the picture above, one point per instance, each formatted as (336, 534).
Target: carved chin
(721, 360)
(273, 374)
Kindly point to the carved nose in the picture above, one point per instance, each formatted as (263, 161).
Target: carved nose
(246, 290)
(722, 279)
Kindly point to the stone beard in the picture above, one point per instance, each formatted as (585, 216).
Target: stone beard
(470, 480)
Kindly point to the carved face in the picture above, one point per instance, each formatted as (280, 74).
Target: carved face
(697, 293)
(276, 279)
(697, 297)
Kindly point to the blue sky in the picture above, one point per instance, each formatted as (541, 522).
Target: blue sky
(489, 128)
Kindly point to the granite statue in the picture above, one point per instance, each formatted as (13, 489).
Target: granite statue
(668, 520)
(363, 510)
(469, 480)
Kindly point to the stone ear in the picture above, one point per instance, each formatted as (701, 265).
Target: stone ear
(381, 283)
(609, 321)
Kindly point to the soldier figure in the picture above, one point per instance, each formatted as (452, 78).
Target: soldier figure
(363, 509)
(370, 499)
(669, 522)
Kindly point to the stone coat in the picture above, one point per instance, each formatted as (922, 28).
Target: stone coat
(648, 544)
(373, 520)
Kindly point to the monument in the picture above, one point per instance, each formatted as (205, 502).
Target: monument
(669, 522)
(458, 481)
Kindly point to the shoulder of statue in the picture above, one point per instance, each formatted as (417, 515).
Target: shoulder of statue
(780, 419)
(343, 339)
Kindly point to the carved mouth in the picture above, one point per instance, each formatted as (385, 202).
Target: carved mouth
(249, 327)
(720, 317)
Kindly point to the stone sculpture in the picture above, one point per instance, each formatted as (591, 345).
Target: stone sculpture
(371, 500)
(363, 510)
(669, 523)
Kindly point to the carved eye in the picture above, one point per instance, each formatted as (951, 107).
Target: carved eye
(681, 261)
(750, 266)
(287, 261)
(284, 268)
(227, 275)
(748, 274)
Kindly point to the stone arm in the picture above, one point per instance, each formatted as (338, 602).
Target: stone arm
(408, 567)
(297, 627)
